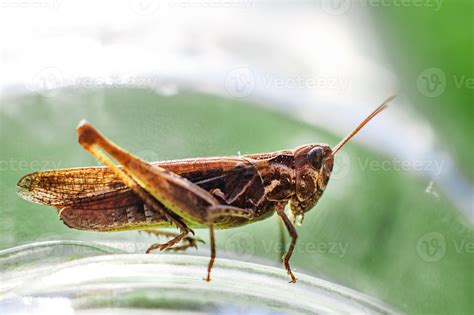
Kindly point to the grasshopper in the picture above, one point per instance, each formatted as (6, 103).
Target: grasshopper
(213, 193)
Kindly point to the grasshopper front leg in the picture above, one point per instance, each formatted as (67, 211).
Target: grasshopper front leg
(294, 236)
(190, 241)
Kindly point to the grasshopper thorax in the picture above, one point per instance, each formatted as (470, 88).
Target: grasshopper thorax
(313, 166)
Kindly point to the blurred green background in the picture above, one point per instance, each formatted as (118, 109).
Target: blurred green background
(379, 232)
(419, 40)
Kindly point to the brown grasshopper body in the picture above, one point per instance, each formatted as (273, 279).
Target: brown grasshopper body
(217, 192)
(260, 182)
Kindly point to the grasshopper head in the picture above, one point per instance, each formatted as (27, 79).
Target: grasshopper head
(313, 166)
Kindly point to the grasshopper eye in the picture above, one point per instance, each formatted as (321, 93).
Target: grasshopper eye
(315, 157)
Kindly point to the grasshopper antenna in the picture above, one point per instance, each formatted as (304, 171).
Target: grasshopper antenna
(362, 124)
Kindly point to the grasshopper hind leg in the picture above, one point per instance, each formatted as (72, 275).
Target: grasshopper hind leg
(213, 252)
(281, 239)
(214, 213)
(89, 139)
